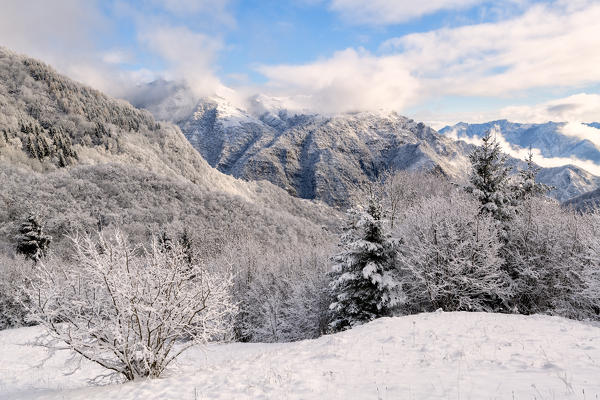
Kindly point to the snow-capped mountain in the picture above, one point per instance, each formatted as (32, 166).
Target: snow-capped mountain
(316, 156)
(88, 161)
(325, 157)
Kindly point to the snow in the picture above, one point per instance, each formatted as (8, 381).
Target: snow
(426, 356)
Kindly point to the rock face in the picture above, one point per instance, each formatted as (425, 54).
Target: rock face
(316, 156)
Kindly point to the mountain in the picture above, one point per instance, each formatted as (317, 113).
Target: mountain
(553, 139)
(313, 156)
(569, 181)
(589, 201)
(326, 157)
(82, 161)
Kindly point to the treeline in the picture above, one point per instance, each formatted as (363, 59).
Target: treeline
(420, 243)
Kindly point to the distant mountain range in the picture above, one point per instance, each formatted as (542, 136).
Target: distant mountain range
(326, 157)
(553, 139)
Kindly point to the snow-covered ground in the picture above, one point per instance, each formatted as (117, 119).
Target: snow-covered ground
(426, 356)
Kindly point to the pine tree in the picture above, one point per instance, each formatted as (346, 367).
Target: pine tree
(363, 285)
(490, 179)
(32, 242)
(528, 187)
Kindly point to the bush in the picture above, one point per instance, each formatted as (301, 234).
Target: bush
(131, 310)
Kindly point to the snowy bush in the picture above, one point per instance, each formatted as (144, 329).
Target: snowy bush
(448, 257)
(283, 295)
(13, 312)
(547, 255)
(131, 310)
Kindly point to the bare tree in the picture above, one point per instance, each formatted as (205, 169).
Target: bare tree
(131, 310)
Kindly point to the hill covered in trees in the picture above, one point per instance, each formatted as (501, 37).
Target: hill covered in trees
(83, 161)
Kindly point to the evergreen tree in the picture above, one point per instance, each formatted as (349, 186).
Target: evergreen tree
(363, 285)
(527, 186)
(490, 179)
(31, 241)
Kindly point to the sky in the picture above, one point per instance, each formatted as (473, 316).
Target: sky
(439, 61)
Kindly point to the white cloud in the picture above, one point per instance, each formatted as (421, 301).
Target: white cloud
(393, 11)
(552, 45)
(351, 80)
(190, 55)
(580, 107)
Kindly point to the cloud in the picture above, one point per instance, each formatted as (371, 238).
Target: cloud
(553, 45)
(189, 55)
(521, 153)
(550, 45)
(583, 132)
(580, 107)
(351, 80)
(393, 11)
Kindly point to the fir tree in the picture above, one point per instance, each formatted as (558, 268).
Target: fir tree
(527, 186)
(363, 285)
(32, 242)
(490, 179)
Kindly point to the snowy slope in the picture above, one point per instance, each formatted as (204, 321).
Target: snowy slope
(427, 356)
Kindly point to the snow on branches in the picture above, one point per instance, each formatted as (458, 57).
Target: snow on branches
(131, 310)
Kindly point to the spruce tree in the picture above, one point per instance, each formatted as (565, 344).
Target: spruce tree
(490, 179)
(363, 286)
(32, 242)
(528, 187)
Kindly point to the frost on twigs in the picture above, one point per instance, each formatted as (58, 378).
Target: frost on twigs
(131, 310)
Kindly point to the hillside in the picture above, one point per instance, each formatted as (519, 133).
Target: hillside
(426, 356)
(82, 160)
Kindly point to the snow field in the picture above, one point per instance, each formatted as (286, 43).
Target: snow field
(425, 356)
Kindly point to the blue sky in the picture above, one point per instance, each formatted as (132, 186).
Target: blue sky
(437, 60)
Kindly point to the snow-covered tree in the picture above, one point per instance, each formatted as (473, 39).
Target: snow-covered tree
(527, 186)
(489, 179)
(448, 257)
(363, 284)
(131, 310)
(32, 242)
(546, 256)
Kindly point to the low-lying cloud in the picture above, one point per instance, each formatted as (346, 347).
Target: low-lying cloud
(521, 153)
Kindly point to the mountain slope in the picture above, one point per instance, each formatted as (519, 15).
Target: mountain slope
(426, 356)
(316, 156)
(78, 157)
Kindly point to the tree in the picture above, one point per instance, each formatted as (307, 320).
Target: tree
(490, 179)
(448, 257)
(527, 186)
(546, 257)
(131, 310)
(363, 284)
(31, 241)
